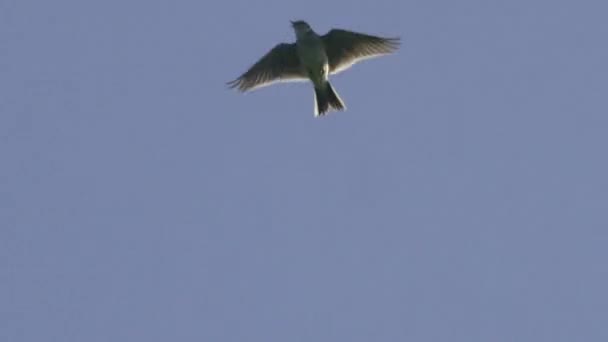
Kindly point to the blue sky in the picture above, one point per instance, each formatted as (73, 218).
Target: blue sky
(463, 196)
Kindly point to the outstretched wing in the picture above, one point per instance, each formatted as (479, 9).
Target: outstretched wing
(279, 64)
(345, 48)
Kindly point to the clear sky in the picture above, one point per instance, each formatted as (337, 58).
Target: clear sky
(462, 197)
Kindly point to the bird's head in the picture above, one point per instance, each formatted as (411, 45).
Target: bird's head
(300, 27)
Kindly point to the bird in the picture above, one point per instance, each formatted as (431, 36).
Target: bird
(313, 58)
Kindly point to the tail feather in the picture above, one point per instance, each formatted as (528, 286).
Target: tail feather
(327, 99)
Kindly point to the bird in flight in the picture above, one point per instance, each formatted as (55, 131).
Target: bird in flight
(314, 57)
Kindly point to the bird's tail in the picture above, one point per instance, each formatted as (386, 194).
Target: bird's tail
(326, 99)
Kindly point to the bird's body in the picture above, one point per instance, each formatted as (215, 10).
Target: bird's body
(314, 57)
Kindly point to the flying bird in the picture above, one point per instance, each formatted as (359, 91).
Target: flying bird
(314, 57)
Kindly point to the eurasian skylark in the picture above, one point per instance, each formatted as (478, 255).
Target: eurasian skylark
(314, 57)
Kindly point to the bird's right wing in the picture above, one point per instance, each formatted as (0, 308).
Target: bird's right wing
(279, 64)
(345, 48)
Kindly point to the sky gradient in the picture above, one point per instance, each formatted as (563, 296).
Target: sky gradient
(462, 197)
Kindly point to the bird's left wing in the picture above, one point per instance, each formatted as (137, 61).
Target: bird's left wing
(279, 64)
(345, 48)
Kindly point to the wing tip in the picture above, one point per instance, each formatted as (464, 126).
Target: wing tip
(393, 42)
(237, 84)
